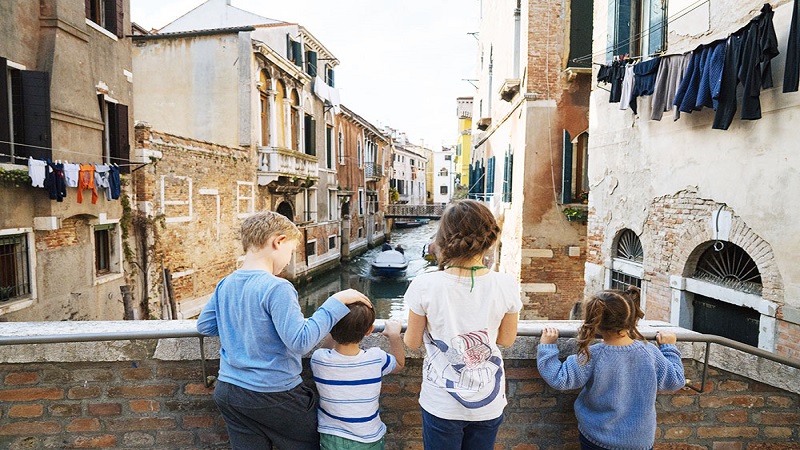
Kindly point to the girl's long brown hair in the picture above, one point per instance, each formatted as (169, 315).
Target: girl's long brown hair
(612, 311)
(467, 228)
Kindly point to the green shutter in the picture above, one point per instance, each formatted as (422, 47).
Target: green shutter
(297, 53)
(566, 169)
(36, 114)
(311, 63)
(5, 129)
(310, 135)
(580, 32)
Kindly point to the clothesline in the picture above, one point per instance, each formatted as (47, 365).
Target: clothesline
(63, 150)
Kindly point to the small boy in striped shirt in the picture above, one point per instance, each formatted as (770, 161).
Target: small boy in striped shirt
(349, 382)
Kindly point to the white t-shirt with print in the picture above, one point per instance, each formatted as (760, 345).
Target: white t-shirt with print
(462, 374)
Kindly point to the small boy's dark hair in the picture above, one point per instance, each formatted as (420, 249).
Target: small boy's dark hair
(355, 325)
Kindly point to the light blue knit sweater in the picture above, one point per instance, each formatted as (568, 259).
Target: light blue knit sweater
(616, 408)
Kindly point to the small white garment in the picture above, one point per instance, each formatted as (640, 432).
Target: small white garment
(36, 172)
(101, 178)
(627, 87)
(328, 93)
(71, 172)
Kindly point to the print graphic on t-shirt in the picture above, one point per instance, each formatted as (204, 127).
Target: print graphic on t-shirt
(465, 368)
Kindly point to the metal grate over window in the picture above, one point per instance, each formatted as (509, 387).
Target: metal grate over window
(623, 281)
(630, 247)
(729, 265)
(14, 267)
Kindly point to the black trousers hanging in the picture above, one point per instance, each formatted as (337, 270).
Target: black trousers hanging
(791, 77)
(726, 109)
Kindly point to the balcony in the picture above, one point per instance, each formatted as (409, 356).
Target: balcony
(143, 384)
(276, 162)
(373, 170)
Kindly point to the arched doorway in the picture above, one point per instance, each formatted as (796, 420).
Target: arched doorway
(285, 209)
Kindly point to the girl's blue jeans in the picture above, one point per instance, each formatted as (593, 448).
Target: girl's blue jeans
(443, 434)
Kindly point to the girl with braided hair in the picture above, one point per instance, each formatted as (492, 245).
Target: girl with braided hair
(462, 313)
(619, 377)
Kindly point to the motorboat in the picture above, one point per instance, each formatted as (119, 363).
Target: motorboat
(389, 263)
(407, 223)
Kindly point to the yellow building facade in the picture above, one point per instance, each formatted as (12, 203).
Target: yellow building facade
(464, 142)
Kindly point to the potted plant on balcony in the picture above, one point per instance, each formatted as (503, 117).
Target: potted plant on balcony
(573, 215)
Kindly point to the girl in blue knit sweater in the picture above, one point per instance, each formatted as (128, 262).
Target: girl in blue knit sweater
(619, 377)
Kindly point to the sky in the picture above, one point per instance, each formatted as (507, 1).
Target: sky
(402, 63)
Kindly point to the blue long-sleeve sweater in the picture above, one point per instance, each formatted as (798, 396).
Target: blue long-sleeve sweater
(616, 409)
(262, 331)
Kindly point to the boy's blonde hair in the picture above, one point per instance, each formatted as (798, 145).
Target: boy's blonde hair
(258, 228)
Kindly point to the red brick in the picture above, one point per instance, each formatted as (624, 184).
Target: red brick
(198, 389)
(29, 394)
(83, 425)
(198, 422)
(678, 433)
(681, 401)
(139, 373)
(21, 378)
(95, 441)
(728, 432)
(522, 373)
(780, 418)
(144, 406)
(773, 446)
(727, 446)
(165, 390)
(175, 437)
(747, 401)
(676, 417)
(64, 409)
(391, 389)
(140, 424)
(780, 402)
(24, 428)
(778, 432)
(24, 410)
(737, 416)
(525, 447)
(732, 385)
(105, 409)
(79, 393)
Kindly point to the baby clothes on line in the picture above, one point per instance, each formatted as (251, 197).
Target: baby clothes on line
(36, 172)
(644, 80)
(55, 182)
(86, 181)
(671, 70)
(101, 179)
(71, 172)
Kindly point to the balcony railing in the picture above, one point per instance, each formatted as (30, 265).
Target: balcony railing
(373, 170)
(274, 162)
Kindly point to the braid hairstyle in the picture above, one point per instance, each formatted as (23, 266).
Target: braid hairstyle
(633, 297)
(467, 229)
(605, 311)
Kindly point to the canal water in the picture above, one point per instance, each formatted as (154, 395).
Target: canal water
(386, 294)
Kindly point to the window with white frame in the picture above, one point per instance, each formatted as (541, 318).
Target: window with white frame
(332, 242)
(333, 205)
(359, 154)
(16, 269)
(25, 112)
(626, 265)
(245, 198)
(176, 198)
(107, 245)
(361, 202)
(106, 13)
(311, 248)
(341, 148)
(636, 27)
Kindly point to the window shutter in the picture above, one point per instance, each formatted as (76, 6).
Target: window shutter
(622, 41)
(657, 26)
(289, 48)
(88, 5)
(297, 53)
(311, 63)
(120, 18)
(580, 32)
(5, 129)
(329, 146)
(490, 177)
(36, 114)
(330, 77)
(310, 135)
(110, 7)
(566, 170)
(120, 147)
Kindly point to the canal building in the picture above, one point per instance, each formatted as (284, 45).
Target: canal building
(65, 98)
(247, 115)
(700, 217)
(363, 161)
(409, 163)
(529, 144)
(464, 141)
(443, 170)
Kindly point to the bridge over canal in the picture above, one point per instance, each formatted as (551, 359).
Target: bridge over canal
(415, 211)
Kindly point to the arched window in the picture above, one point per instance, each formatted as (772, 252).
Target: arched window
(285, 209)
(443, 172)
(626, 265)
(280, 96)
(263, 87)
(295, 121)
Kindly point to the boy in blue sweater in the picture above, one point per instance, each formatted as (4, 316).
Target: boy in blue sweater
(263, 335)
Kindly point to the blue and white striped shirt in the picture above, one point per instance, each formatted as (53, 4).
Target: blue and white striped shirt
(349, 388)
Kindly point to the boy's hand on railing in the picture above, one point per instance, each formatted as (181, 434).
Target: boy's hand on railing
(349, 296)
(666, 337)
(549, 336)
(392, 328)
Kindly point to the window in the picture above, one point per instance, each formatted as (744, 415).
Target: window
(311, 63)
(575, 169)
(508, 171)
(724, 319)
(332, 205)
(443, 190)
(263, 88)
(447, 157)
(116, 147)
(360, 202)
(331, 242)
(106, 250)
(490, 176)
(24, 113)
(329, 146)
(311, 135)
(729, 266)
(15, 267)
(360, 232)
(329, 76)
(580, 33)
(311, 248)
(626, 265)
(341, 148)
(359, 154)
(443, 172)
(636, 27)
(106, 13)
(294, 51)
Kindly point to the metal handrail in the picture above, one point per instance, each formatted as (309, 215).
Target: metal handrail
(528, 330)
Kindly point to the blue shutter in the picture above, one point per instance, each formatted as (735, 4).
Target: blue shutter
(566, 170)
(619, 27)
(5, 129)
(311, 63)
(490, 177)
(297, 54)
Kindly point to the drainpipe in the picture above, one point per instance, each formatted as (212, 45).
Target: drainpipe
(517, 27)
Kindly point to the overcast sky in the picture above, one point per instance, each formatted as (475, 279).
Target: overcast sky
(402, 62)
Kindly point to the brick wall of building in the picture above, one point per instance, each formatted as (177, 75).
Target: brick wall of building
(163, 404)
(562, 271)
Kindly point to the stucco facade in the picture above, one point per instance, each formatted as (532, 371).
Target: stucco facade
(528, 112)
(683, 188)
(68, 73)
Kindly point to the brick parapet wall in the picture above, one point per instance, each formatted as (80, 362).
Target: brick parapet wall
(149, 394)
(163, 404)
(561, 270)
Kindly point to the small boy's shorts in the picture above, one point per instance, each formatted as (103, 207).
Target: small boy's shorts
(331, 442)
